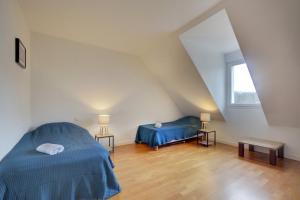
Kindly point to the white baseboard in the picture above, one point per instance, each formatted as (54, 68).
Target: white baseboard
(227, 142)
(235, 144)
(292, 157)
(124, 142)
(231, 143)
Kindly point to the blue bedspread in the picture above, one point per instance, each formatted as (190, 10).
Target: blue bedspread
(83, 170)
(180, 129)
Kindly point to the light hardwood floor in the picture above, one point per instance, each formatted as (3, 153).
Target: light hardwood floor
(188, 171)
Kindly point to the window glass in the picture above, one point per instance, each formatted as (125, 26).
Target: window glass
(242, 87)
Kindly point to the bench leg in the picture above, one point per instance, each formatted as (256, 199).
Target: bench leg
(281, 152)
(273, 158)
(197, 137)
(241, 149)
(215, 138)
(251, 147)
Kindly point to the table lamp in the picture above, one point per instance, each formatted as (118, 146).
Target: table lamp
(204, 118)
(103, 122)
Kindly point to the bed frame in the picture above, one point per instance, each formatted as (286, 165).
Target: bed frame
(173, 142)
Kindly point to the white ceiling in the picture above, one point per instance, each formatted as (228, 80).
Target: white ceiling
(206, 44)
(124, 25)
(267, 31)
(215, 34)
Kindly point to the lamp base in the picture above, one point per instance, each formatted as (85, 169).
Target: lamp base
(103, 130)
(204, 125)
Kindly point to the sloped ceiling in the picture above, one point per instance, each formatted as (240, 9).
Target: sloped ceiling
(169, 61)
(214, 34)
(268, 33)
(140, 27)
(206, 44)
(123, 25)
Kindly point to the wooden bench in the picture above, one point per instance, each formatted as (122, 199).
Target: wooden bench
(271, 145)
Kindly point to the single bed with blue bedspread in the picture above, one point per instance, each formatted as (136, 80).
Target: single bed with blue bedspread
(83, 170)
(180, 129)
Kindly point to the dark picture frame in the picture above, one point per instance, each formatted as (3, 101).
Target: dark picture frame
(20, 53)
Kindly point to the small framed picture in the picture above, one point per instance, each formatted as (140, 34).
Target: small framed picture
(20, 53)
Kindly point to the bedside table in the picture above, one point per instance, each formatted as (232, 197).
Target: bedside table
(205, 133)
(109, 136)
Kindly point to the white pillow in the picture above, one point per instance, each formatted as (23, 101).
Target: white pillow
(158, 125)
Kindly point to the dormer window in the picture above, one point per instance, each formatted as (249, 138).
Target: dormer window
(242, 90)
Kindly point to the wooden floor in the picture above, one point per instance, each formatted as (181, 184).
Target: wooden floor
(188, 171)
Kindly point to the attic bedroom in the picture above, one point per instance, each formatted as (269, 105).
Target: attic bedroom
(140, 99)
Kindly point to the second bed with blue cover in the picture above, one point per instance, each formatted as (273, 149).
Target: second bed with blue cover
(180, 129)
(83, 170)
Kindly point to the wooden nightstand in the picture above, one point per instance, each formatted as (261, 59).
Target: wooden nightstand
(110, 143)
(204, 133)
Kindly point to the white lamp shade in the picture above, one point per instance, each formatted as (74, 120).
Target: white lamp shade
(103, 119)
(205, 117)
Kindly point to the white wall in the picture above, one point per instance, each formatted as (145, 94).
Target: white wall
(206, 43)
(268, 32)
(74, 82)
(251, 123)
(170, 63)
(248, 121)
(211, 67)
(269, 40)
(14, 81)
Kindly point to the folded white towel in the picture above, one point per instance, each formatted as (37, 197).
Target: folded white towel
(157, 125)
(50, 149)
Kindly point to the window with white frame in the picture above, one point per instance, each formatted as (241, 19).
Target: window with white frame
(242, 90)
